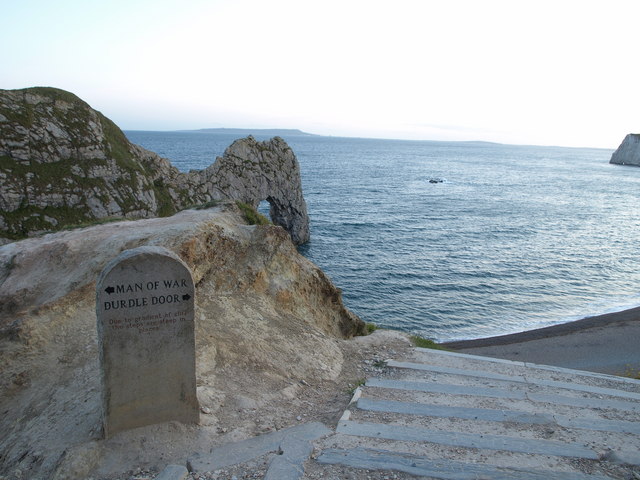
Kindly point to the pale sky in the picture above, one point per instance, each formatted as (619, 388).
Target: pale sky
(529, 72)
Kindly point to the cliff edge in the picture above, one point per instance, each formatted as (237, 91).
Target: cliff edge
(628, 153)
(269, 326)
(63, 163)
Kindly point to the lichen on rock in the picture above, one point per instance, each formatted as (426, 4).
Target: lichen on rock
(63, 163)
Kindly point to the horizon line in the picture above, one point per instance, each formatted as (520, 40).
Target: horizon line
(304, 133)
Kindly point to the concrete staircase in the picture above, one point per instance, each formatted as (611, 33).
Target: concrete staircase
(454, 416)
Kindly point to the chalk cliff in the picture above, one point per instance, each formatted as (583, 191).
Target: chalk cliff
(628, 153)
(64, 163)
(268, 324)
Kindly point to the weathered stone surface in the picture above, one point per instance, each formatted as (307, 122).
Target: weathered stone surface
(63, 163)
(628, 153)
(144, 309)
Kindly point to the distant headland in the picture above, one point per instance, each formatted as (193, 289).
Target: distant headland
(277, 132)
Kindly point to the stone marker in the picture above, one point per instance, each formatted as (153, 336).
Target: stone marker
(144, 306)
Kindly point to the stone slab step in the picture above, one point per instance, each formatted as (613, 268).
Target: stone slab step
(492, 415)
(497, 392)
(498, 377)
(429, 355)
(293, 444)
(466, 440)
(371, 459)
(455, 416)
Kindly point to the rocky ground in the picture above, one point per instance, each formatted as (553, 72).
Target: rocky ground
(142, 453)
(271, 344)
(275, 348)
(367, 358)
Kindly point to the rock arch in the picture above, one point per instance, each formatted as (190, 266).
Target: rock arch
(252, 172)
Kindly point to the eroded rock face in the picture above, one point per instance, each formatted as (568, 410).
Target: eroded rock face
(628, 153)
(63, 163)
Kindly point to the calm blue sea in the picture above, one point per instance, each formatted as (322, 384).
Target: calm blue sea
(513, 238)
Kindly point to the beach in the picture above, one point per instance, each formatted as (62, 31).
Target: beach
(604, 343)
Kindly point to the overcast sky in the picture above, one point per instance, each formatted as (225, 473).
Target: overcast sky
(530, 72)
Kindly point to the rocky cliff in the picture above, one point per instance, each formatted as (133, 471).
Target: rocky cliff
(63, 163)
(268, 326)
(628, 153)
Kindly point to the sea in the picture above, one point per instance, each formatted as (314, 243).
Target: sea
(458, 240)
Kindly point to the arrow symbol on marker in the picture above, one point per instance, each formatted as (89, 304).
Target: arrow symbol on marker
(186, 296)
(109, 290)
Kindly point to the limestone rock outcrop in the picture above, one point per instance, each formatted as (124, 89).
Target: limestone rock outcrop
(63, 163)
(628, 153)
(252, 171)
(266, 320)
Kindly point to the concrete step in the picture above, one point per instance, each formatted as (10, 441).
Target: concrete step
(510, 367)
(514, 378)
(494, 415)
(455, 416)
(371, 459)
(499, 391)
(467, 440)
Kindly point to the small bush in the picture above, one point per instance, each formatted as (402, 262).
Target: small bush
(251, 215)
(352, 388)
(630, 372)
(421, 342)
(371, 327)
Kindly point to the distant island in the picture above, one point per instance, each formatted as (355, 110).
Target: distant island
(256, 131)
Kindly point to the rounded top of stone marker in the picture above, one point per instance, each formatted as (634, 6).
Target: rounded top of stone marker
(140, 251)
